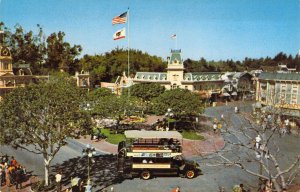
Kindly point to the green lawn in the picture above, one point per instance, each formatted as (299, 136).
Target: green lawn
(113, 138)
(192, 135)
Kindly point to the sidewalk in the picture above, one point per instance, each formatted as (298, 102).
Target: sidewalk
(213, 142)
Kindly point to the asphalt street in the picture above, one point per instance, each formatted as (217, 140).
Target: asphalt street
(35, 163)
(213, 178)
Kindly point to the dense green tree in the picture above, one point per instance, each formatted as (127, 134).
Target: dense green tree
(107, 67)
(114, 106)
(60, 54)
(43, 53)
(39, 118)
(99, 93)
(181, 101)
(146, 91)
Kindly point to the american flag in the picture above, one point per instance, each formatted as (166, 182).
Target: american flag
(173, 36)
(120, 19)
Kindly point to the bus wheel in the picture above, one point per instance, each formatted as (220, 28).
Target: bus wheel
(146, 175)
(190, 174)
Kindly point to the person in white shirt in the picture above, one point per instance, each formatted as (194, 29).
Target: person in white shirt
(58, 177)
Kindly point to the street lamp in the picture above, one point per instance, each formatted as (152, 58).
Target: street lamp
(168, 115)
(89, 152)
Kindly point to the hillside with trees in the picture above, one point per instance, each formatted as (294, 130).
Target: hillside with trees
(248, 64)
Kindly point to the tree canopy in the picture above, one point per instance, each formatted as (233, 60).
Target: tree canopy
(39, 118)
(182, 102)
(146, 91)
(43, 53)
(106, 67)
(246, 65)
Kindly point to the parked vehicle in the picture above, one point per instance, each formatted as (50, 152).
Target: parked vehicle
(153, 153)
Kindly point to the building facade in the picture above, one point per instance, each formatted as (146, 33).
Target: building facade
(12, 76)
(206, 84)
(281, 90)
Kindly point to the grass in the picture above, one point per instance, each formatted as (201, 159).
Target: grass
(192, 135)
(113, 138)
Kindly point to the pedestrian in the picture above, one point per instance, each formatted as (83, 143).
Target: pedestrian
(7, 176)
(58, 177)
(13, 162)
(222, 117)
(176, 189)
(242, 189)
(236, 110)
(18, 177)
(1, 169)
(215, 127)
(92, 134)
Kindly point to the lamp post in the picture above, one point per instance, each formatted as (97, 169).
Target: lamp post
(168, 115)
(89, 152)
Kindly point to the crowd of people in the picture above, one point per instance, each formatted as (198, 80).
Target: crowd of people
(11, 172)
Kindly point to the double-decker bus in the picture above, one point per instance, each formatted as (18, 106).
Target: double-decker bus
(153, 153)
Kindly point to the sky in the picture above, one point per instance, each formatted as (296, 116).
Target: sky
(213, 29)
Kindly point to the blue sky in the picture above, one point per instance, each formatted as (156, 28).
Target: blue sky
(213, 29)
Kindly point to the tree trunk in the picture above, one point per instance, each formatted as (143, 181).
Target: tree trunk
(276, 185)
(47, 169)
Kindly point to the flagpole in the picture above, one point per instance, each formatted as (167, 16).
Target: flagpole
(128, 67)
(176, 42)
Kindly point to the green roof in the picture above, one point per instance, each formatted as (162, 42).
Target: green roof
(175, 55)
(203, 76)
(280, 76)
(154, 76)
(24, 65)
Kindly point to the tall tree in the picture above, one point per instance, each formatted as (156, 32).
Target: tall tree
(60, 54)
(39, 118)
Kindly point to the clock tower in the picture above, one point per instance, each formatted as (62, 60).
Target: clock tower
(175, 69)
(5, 61)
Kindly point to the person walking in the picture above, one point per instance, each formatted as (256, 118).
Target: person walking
(215, 127)
(58, 177)
(18, 177)
(7, 176)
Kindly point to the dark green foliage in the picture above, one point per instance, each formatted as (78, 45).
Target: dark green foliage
(44, 54)
(99, 93)
(246, 64)
(145, 91)
(182, 102)
(106, 67)
(114, 106)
